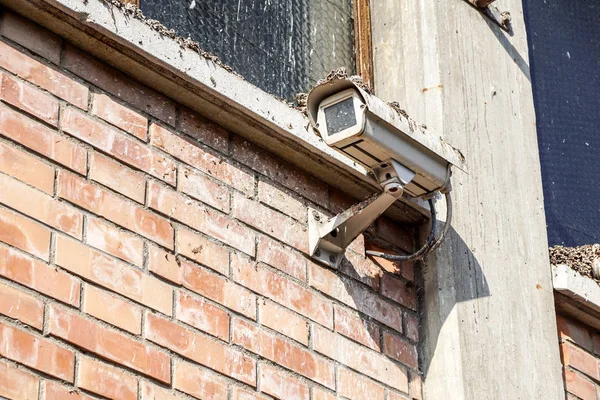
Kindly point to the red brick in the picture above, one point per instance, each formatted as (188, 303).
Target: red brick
(31, 36)
(282, 201)
(574, 332)
(412, 326)
(38, 276)
(281, 385)
(202, 315)
(108, 343)
(207, 132)
(117, 177)
(149, 391)
(110, 141)
(112, 240)
(283, 321)
(26, 168)
(284, 353)
(203, 251)
(400, 350)
(282, 290)
(596, 343)
(40, 206)
(355, 356)
(193, 214)
(119, 85)
(24, 234)
(281, 257)
(21, 306)
(415, 386)
(400, 291)
(113, 275)
(16, 383)
(201, 188)
(120, 116)
(319, 394)
(199, 383)
(35, 72)
(396, 396)
(356, 387)
(195, 156)
(356, 328)
(362, 269)
(164, 264)
(29, 99)
(106, 380)
(579, 386)
(54, 391)
(115, 209)
(395, 234)
(279, 171)
(356, 296)
(580, 360)
(201, 348)
(37, 353)
(113, 310)
(270, 222)
(41, 139)
(239, 393)
(218, 289)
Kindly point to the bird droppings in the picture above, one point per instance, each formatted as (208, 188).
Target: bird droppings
(580, 259)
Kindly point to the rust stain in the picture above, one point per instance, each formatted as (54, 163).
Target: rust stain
(440, 86)
(538, 286)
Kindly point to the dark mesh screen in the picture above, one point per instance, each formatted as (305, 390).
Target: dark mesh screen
(281, 46)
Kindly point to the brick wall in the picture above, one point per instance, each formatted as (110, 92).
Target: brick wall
(147, 253)
(580, 356)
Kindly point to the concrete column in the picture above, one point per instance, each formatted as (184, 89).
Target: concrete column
(489, 329)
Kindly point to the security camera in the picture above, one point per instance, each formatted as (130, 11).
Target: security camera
(403, 157)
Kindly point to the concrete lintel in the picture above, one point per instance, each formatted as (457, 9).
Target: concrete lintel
(132, 46)
(580, 295)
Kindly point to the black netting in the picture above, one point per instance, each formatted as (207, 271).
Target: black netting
(282, 46)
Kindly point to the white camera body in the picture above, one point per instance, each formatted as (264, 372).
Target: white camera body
(373, 133)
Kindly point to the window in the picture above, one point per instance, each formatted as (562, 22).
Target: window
(281, 46)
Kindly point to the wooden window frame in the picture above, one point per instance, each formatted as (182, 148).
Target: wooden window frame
(363, 45)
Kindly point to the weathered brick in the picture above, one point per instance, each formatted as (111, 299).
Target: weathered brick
(199, 383)
(113, 275)
(21, 306)
(218, 289)
(395, 234)
(41, 139)
(197, 157)
(270, 222)
(283, 321)
(120, 116)
(119, 85)
(355, 356)
(108, 343)
(117, 176)
(396, 396)
(26, 168)
(201, 348)
(54, 391)
(29, 99)
(574, 332)
(16, 383)
(282, 290)
(111, 309)
(203, 251)
(579, 385)
(202, 315)
(356, 328)
(400, 291)
(201, 188)
(112, 240)
(148, 391)
(411, 326)
(282, 201)
(279, 171)
(37, 353)
(400, 350)
(415, 386)
(40, 206)
(201, 218)
(239, 393)
(284, 353)
(115, 209)
(207, 132)
(31, 36)
(111, 141)
(38, 276)
(281, 385)
(580, 360)
(362, 269)
(106, 380)
(281, 257)
(35, 72)
(355, 387)
(163, 264)
(358, 297)
(24, 234)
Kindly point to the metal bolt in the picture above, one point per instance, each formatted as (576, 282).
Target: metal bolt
(316, 216)
(318, 252)
(332, 258)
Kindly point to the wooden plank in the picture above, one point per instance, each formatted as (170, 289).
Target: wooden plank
(362, 41)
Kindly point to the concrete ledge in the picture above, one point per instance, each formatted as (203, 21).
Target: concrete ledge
(579, 296)
(132, 46)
